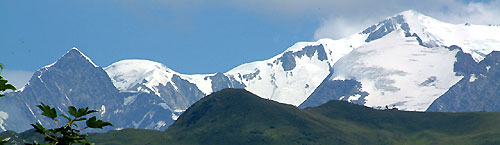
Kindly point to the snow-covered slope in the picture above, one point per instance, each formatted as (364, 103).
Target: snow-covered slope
(126, 74)
(288, 77)
(408, 61)
(397, 71)
(293, 75)
(477, 40)
(178, 91)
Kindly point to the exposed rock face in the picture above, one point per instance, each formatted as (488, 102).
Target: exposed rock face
(479, 90)
(221, 81)
(75, 81)
(385, 27)
(288, 59)
(336, 90)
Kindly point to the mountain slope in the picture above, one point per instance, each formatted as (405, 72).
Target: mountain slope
(294, 74)
(240, 117)
(271, 78)
(407, 62)
(154, 78)
(288, 77)
(236, 116)
(70, 81)
(477, 91)
(74, 80)
(405, 48)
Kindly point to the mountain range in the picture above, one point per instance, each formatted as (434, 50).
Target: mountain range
(408, 61)
(236, 116)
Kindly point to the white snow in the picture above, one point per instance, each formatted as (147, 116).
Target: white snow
(342, 97)
(397, 71)
(287, 87)
(127, 74)
(40, 78)
(149, 114)
(477, 40)
(129, 100)
(205, 85)
(3, 116)
(164, 106)
(85, 56)
(272, 82)
(174, 116)
(67, 98)
(160, 124)
(294, 86)
(50, 65)
(354, 98)
(118, 111)
(76, 49)
(176, 113)
(103, 110)
(472, 78)
(34, 116)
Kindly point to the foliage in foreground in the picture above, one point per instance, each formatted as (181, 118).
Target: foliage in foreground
(70, 132)
(4, 86)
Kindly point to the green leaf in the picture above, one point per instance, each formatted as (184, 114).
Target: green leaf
(67, 134)
(80, 112)
(48, 111)
(3, 83)
(72, 111)
(4, 86)
(39, 128)
(80, 119)
(69, 119)
(94, 123)
(3, 142)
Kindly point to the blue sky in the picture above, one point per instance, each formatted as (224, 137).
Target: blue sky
(194, 36)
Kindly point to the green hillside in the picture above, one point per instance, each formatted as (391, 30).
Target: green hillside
(235, 116)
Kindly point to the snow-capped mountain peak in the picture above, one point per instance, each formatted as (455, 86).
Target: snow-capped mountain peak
(293, 75)
(73, 53)
(145, 76)
(126, 74)
(74, 49)
(290, 77)
(477, 40)
(407, 61)
(411, 14)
